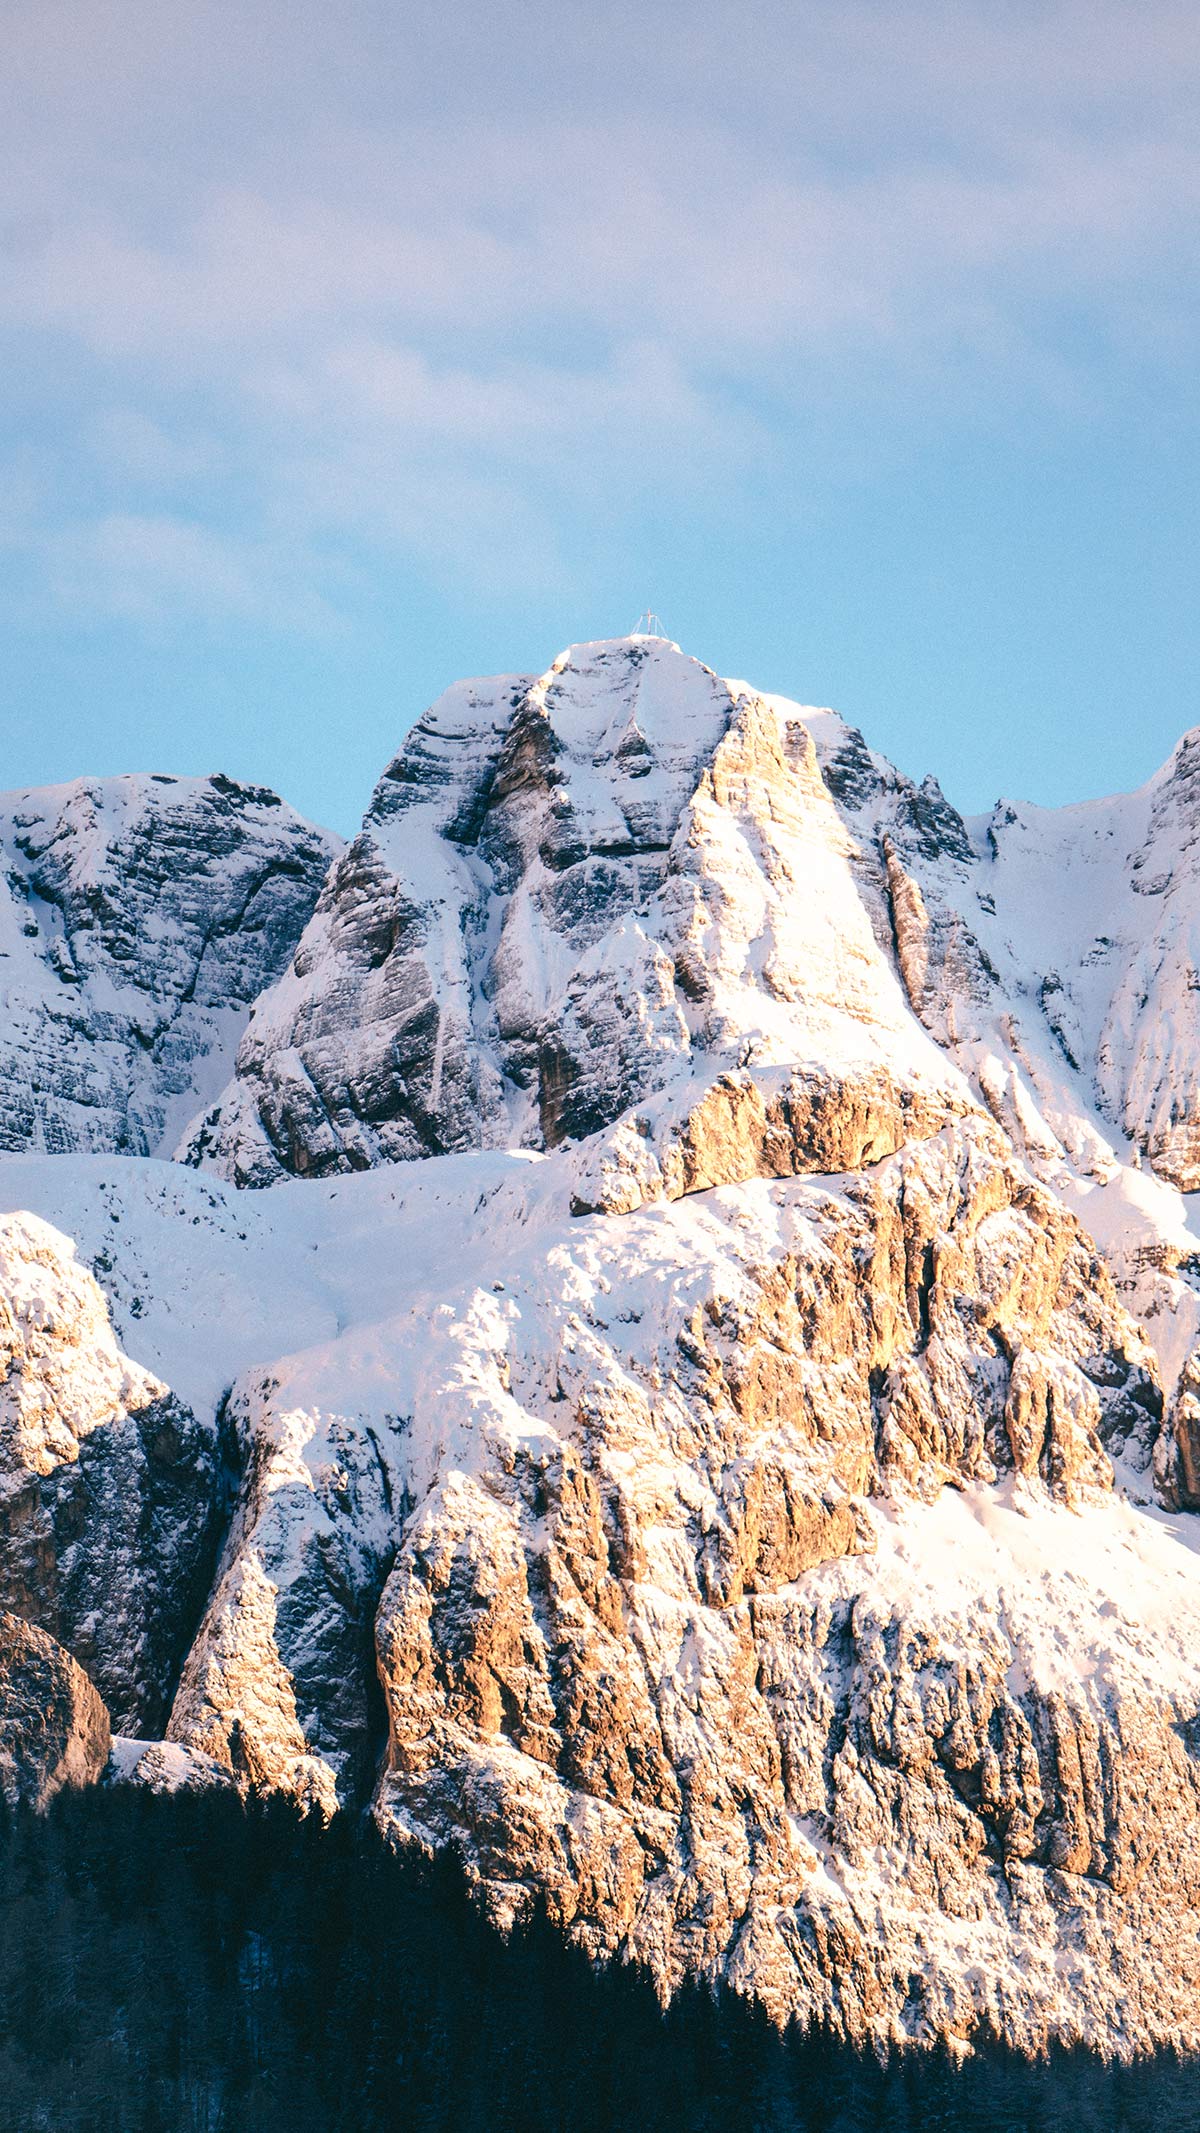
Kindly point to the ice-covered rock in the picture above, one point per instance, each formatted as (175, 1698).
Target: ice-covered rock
(613, 883)
(712, 1395)
(745, 1573)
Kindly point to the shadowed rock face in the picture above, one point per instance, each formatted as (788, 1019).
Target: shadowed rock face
(139, 919)
(110, 1489)
(54, 1729)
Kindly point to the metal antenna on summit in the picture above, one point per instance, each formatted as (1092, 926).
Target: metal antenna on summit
(649, 625)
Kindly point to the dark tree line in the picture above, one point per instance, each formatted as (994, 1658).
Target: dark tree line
(187, 1965)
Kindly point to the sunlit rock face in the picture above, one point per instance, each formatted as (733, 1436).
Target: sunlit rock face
(706, 1418)
(139, 919)
(938, 1320)
(54, 1729)
(660, 1659)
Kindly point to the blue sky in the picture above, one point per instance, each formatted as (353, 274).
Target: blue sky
(346, 353)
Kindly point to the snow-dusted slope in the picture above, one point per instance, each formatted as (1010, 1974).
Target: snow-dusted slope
(641, 1525)
(615, 883)
(1098, 907)
(1051, 954)
(139, 918)
(110, 1488)
(710, 1399)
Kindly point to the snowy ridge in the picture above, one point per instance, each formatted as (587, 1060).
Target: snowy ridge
(432, 1410)
(1053, 953)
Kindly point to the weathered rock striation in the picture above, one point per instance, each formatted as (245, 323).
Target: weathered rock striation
(570, 895)
(54, 1729)
(140, 917)
(634, 1661)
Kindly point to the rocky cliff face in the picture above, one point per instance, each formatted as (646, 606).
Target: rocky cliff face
(54, 1729)
(110, 1489)
(139, 919)
(709, 1400)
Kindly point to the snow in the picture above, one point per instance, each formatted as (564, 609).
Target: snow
(449, 1289)
(126, 1754)
(539, 862)
(1106, 1596)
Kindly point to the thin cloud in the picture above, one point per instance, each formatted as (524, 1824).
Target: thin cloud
(513, 257)
(687, 237)
(160, 570)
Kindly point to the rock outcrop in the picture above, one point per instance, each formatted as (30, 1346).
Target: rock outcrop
(731, 1566)
(54, 1729)
(110, 1489)
(140, 917)
(634, 1661)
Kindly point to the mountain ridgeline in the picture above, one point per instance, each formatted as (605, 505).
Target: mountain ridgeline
(639, 1326)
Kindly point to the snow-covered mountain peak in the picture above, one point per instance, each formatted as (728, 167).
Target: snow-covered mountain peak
(596, 686)
(1182, 764)
(616, 882)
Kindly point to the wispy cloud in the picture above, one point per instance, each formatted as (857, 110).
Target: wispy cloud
(157, 570)
(513, 254)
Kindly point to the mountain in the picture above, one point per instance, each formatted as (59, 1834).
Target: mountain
(570, 897)
(139, 919)
(703, 1413)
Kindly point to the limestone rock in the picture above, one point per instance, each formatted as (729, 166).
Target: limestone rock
(739, 1319)
(278, 1689)
(54, 1729)
(747, 1125)
(647, 1636)
(624, 878)
(578, 1642)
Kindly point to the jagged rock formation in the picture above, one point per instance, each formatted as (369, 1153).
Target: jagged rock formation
(953, 1325)
(709, 1467)
(1050, 954)
(568, 896)
(627, 1658)
(139, 919)
(54, 1729)
(110, 1490)
(1117, 961)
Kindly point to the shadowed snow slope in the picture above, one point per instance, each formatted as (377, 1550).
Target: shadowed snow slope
(706, 1416)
